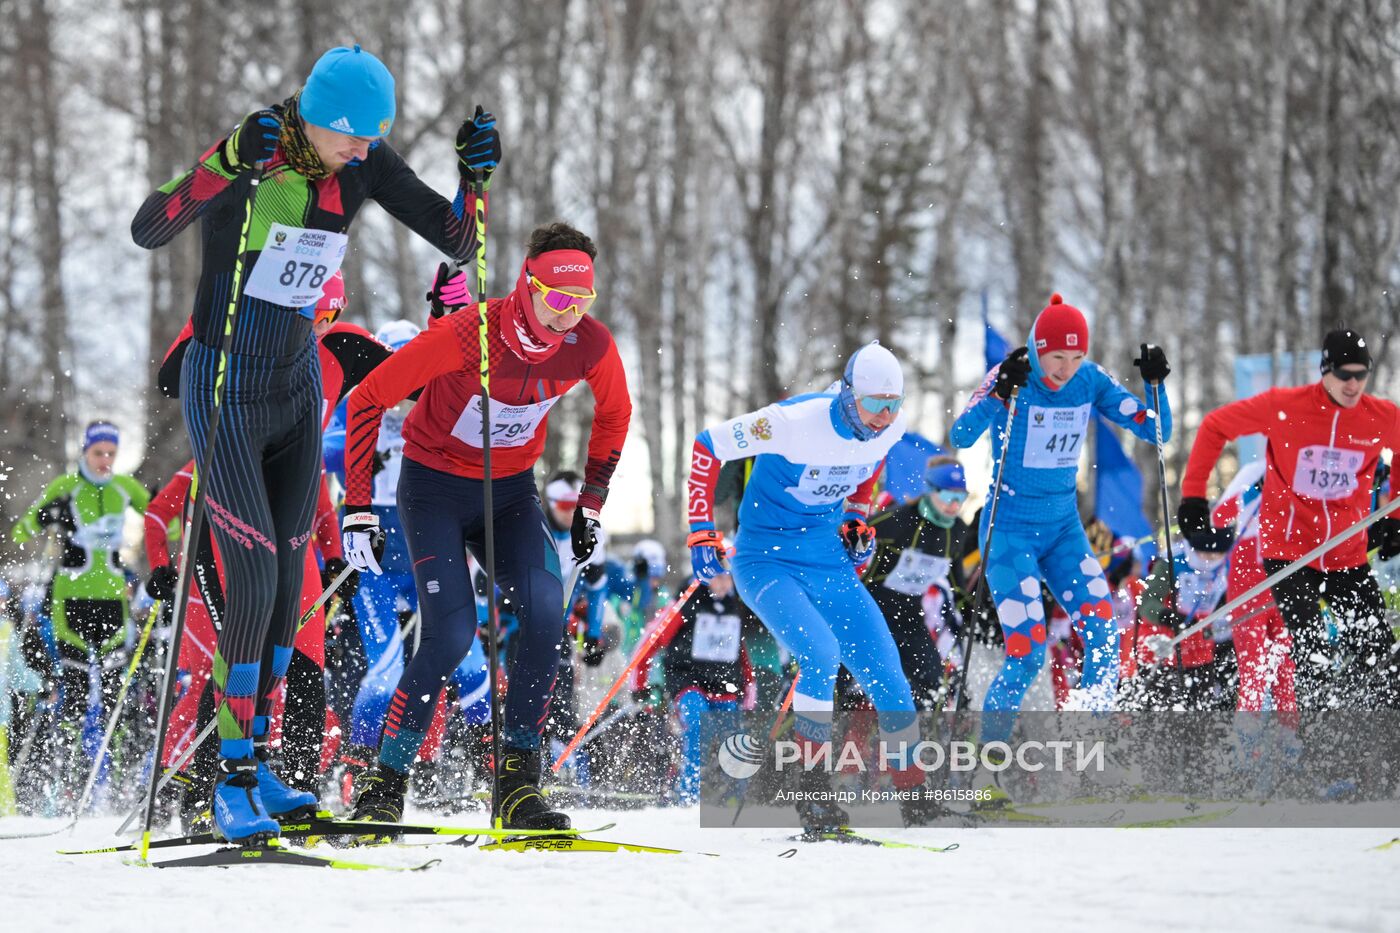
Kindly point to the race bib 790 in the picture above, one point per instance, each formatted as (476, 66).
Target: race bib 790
(511, 425)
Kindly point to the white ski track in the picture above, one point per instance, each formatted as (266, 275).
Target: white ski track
(1075, 879)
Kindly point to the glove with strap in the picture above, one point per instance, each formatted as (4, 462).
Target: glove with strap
(706, 553)
(449, 292)
(362, 540)
(859, 539)
(1152, 363)
(478, 146)
(252, 141)
(1012, 373)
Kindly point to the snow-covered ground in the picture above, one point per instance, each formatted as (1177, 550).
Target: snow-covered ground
(1000, 878)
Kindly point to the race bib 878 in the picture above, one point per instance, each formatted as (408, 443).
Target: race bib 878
(294, 265)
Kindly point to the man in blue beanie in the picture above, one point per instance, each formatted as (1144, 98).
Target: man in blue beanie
(275, 199)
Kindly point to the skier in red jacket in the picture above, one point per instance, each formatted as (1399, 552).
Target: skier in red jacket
(1324, 441)
(542, 342)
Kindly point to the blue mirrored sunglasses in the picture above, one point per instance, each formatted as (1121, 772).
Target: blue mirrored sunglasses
(951, 496)
(876, 405)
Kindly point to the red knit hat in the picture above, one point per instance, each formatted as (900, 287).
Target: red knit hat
(1060, 327)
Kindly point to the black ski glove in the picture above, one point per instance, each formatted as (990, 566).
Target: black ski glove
(594, 650)
(478, 146)
(584, 533)
(1193, 516)
(1385, 534)
(1013, 373)
(252, 141)
(1152, 363)
(161, 584)
(57, 512)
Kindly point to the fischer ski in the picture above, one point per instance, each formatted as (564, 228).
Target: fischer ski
(273, 855)
(849, 837)
(1190, 818)
(325, 826)
(576, 844)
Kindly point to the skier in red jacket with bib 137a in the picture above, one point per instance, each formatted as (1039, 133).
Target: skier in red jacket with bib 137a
(1324, 441)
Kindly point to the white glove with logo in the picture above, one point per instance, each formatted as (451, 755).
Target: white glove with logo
(363, 541)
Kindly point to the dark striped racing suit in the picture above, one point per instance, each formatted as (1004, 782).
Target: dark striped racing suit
(262, 478)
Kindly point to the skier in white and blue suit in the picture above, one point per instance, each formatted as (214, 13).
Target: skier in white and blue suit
(802, 534)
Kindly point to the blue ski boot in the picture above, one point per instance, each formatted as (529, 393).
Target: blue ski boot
(239, 815)
(281, 801)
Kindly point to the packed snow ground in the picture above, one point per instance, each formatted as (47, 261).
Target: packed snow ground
(1045, 879)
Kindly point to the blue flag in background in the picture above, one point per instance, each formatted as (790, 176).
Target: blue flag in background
(995, 346)
(904, 465)
(1118, 489)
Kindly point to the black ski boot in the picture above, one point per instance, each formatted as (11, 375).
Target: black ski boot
(522, 804)
(382, 791)
(816, 806)
(380, 800)
(356, 760)
(195, 809)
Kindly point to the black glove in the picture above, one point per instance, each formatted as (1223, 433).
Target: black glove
(1193, 516)
(333, 568)
(1385, 534)
(1013, 373)
(252, 141)
(584, 532)
(379, 461)
(1152, 363)
(593, 650)
(478, 146)
(161, 584)
(57, 512)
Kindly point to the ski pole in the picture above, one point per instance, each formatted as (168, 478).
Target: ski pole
(194, 525)
(1166, 512)
(569, 586)
(782, 710)
(658, 627)
(168, 773)
(326, 594)
(983, 588)
(1160, 643)
(487, 506)
(117, 708)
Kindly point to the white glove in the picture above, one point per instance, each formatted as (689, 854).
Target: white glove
(362, 540)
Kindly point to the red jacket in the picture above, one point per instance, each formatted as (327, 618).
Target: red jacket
(443, 431)
(1320, 466)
